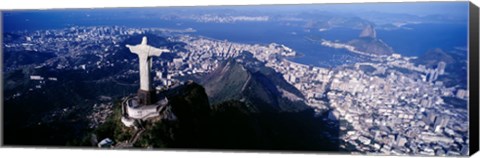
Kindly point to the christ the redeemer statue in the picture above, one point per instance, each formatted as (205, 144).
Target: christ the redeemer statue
(145, 52)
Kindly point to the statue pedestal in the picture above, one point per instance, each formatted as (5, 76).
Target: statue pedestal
(145, 97)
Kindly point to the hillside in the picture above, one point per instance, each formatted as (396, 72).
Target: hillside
(433, 56)
(253, 83)
(227, 125)
(20, 58)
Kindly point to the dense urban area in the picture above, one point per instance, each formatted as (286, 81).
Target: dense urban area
(388, 105)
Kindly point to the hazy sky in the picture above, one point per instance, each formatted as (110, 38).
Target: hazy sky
(459, 8)
(424, 8)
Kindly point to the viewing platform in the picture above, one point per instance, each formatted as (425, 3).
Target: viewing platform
(132, 110)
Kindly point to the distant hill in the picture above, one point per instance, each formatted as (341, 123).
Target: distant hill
(323, 21)
(371, 46)
(369, 43)
(433, 56)
(8, 37)
(456, 66)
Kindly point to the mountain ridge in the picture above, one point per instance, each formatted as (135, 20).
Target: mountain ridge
(254, 84)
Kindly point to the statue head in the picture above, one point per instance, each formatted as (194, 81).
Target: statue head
(144, 40)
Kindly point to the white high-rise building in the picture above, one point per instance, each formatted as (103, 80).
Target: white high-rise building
(441, 67)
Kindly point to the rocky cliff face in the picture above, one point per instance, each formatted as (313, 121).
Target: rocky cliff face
(368, 32)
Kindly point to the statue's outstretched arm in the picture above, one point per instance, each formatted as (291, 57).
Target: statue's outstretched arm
(134, 49)
(157, 51)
